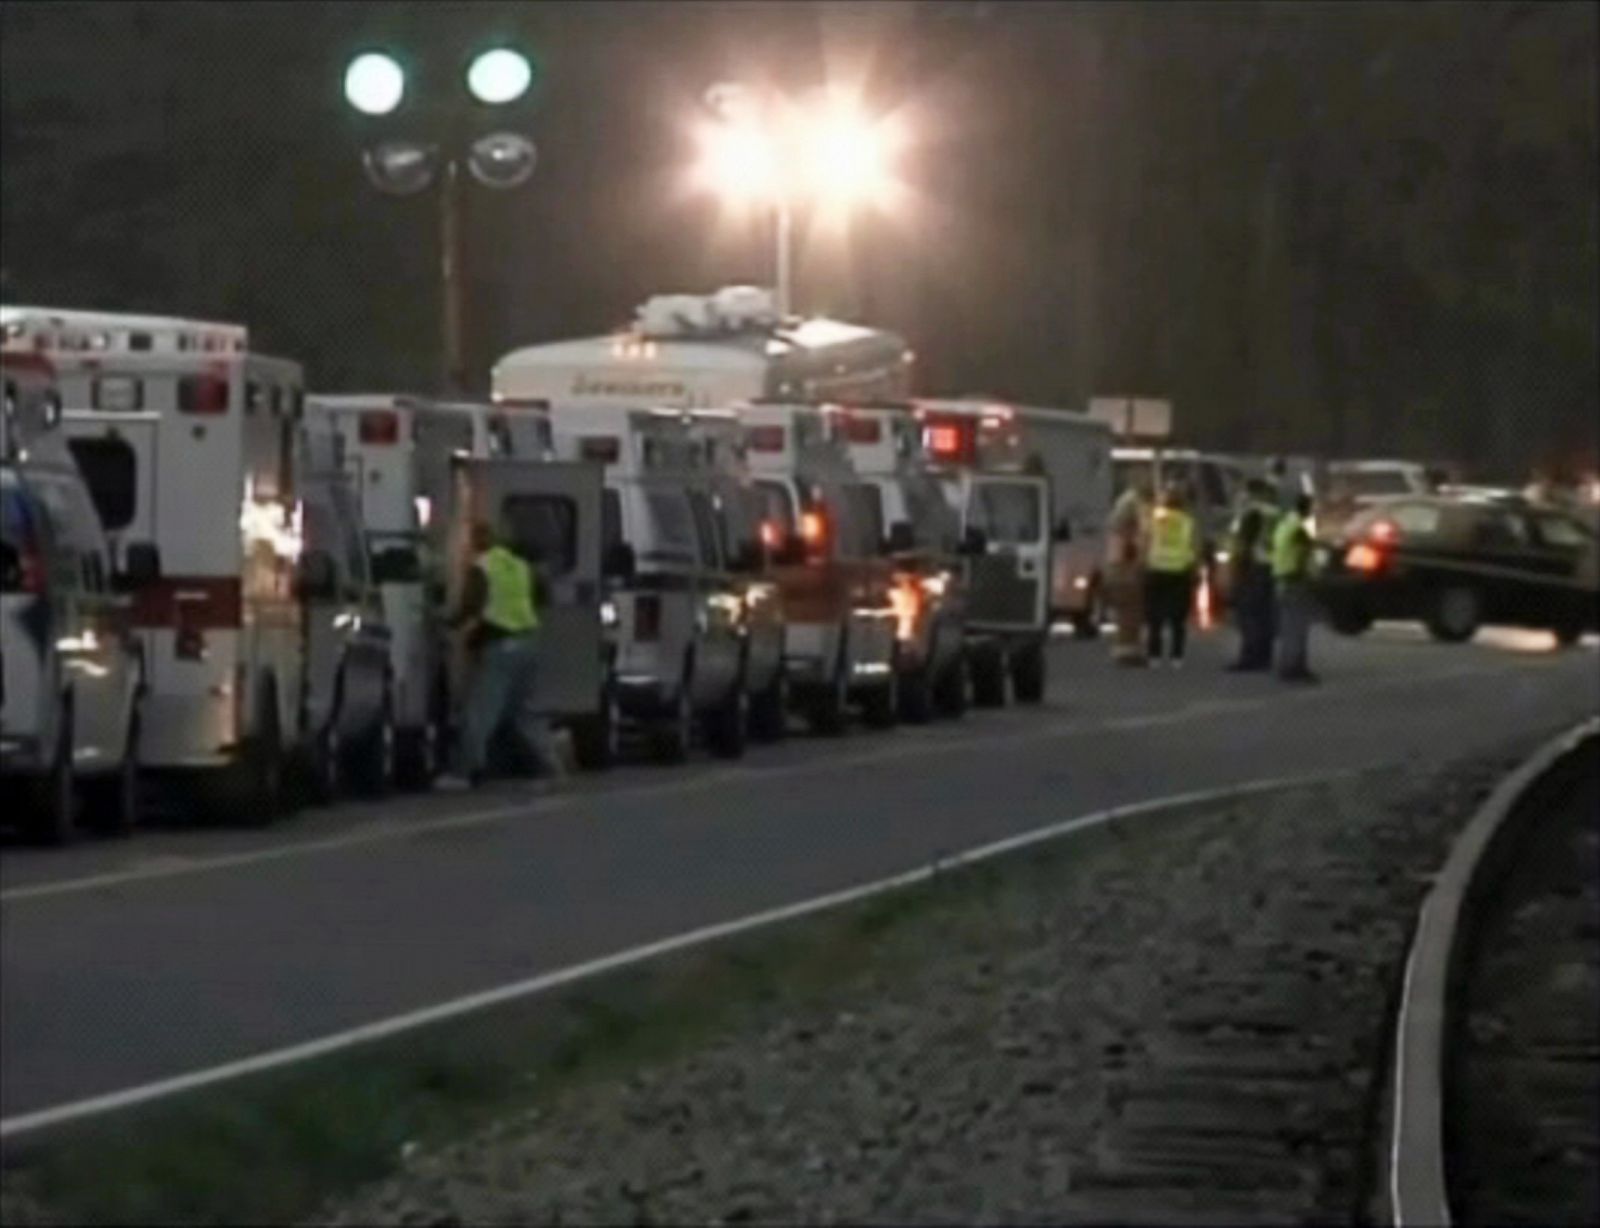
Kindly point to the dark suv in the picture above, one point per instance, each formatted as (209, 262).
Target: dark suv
(1455, 564)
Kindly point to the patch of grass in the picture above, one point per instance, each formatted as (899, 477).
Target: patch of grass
(276, 1147)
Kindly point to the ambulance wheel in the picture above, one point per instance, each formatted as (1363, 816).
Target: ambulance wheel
(989, 677)
(950, 690)
(828, 708)
(114, 799)
(672, 735)
(1028, 674)
(596, 739)
(728, 724)
(916, 696)
(370, 762)
(769, 711)
(55, 814)
(881, 708)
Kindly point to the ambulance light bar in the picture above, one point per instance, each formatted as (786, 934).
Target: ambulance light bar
(765, 438)
(203, 394)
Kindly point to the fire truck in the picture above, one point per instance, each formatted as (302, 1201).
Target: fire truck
(72, 681)
(921, 534)
(424, 468)
(262, 651)
(678, 625)
(1004, 502)
(828, 564)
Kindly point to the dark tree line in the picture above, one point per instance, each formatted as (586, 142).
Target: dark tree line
(1351, 227)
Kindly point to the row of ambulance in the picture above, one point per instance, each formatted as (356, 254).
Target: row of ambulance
(215, 580)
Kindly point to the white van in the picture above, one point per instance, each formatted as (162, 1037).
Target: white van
(72, 685)
(679, 626)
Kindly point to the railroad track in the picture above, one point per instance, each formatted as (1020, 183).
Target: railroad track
(1494, 1114)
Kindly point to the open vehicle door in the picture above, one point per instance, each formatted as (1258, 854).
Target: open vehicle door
(1009, 583)
(550, 512)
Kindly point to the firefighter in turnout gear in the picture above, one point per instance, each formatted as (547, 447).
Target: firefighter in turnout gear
(1250, 547)
(500, 615)
(1171, 566)
(1291, 572)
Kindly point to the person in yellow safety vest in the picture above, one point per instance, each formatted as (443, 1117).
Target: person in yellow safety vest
(1255, 609)
(1171, 565)
(1125, 542)
(500, 614)
(1291, 573)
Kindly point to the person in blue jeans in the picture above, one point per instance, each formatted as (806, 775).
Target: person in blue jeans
(500, 613)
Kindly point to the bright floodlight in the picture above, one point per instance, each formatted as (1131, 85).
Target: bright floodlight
(499, 76)
(846, 157)
(374, 83)
(739, 161)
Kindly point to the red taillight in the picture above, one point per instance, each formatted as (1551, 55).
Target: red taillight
(203, 394)
(647, 617)
(1362, 557)
(813, 528)
(950, 441)
(764, 439)
(380, 427)
(1385, 531)
(771, 534)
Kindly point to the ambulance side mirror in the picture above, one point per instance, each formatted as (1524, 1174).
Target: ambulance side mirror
(141, 566)
(901, 539)
(316, 578)
(974, 542)
(620, 562)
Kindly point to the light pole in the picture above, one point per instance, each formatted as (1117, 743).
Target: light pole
(375, 86)
(767, 150)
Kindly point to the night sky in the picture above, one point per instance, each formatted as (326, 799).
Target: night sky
(1350, 227)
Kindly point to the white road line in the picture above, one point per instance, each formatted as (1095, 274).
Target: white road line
(24, 1123)
(387, 831)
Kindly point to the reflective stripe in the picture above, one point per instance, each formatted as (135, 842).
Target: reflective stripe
(509, 604)
(1172, 544)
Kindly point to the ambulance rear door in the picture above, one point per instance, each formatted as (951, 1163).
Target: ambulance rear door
(550, 511)
(1009, 589)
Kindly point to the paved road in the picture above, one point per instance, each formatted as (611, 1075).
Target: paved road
(179, 950)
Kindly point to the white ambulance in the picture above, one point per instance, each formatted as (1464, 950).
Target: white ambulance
(828, 563)
(703, 351)
(190, 441)
(746, 560)
(1004, 500)
(921, 533)
(681, 644)
(72, 686)
(413, 458)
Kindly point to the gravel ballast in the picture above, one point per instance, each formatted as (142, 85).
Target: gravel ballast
(1182, 1020)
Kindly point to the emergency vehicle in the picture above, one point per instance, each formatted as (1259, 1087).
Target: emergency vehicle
(190, 441)
(827, 560)
(678, 624)
(704, 351)
(746, 560)
(1004, 503)
(72, 684)
(411, 457)
(921, 536)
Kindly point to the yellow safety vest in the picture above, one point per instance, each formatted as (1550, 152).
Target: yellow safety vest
(509, 605)
(1172, 545)
(1288, 554)
(1262, 553)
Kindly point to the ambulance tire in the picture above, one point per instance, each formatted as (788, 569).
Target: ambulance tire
(1028, 674)
(114, 799)
(950, 690)
(596, 739)
(55, 808)
(916, 696)
(370, 762)
(769, 711)
(672, 734)
(828, 707)
(728, 724)
(880, 709)
(254, 793)
(989, 677)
